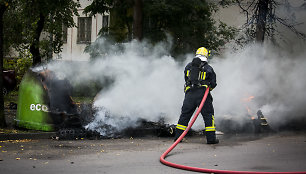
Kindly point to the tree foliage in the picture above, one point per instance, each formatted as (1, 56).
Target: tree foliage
(190, 23)
(27, 20)
(3, 8)
(261, 19)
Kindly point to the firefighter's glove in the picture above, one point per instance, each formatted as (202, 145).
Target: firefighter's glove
(186, 88)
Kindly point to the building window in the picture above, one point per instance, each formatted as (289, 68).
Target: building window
(105, 20)
(84, 30)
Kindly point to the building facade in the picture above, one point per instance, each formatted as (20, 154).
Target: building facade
(77, 38)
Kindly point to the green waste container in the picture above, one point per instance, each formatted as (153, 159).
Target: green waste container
(44, 102)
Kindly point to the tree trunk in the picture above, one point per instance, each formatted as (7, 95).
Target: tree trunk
(137, 20)
(34, 48)
(261, 20)
(2, 116)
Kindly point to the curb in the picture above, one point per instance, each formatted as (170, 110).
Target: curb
(18, 136)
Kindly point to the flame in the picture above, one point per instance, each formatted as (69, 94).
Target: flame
(248, 99)
(248, 109)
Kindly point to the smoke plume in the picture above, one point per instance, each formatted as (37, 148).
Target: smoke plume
(141, 82)
(272, 77)
(147, 83)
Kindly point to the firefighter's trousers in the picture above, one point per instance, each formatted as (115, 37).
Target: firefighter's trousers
(192, 100)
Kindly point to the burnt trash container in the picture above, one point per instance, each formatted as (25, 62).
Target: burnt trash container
(45, 103)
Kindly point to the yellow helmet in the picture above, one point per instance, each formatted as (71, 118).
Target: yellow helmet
(203, 52)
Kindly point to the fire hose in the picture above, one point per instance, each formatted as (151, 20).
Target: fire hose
(204, 170)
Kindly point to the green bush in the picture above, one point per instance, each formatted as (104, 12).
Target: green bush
(24, 62)
(20, 65)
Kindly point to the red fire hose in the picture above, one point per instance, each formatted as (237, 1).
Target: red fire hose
(196, 169)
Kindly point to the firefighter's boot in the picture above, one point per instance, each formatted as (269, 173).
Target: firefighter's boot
(178, 133)
(211, 137)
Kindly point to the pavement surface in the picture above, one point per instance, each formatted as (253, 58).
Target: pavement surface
(281, 152)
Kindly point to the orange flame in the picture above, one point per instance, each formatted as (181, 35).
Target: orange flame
(249, 110)
(248, 99)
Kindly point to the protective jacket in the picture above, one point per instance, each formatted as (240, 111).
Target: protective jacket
(198, 74)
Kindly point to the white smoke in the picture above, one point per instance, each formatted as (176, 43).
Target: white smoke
(148, 84)
(273, 77)
(272, 73)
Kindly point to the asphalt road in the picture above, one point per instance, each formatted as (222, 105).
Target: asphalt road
(282, 152)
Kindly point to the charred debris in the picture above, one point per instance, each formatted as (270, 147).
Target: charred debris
(249, 124)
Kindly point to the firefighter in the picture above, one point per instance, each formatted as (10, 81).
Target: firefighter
(198, 76)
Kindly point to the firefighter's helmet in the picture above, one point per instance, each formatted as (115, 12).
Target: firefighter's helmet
(202, 53)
